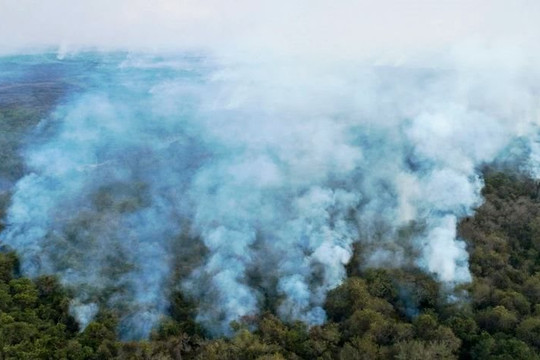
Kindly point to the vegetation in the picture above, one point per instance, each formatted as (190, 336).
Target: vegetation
(22, 105)
(374, 314)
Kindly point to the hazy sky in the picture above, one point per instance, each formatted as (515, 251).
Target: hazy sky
(338, 29)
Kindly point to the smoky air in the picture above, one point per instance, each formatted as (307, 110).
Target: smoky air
(248, 184)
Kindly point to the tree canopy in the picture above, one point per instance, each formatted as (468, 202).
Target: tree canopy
(376, 313)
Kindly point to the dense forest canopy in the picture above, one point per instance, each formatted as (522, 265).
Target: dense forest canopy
(377, 313)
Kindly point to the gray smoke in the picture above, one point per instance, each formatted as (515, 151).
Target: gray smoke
(277, 168)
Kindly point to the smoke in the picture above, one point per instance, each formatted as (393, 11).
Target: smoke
(278, 169)
(247, 167)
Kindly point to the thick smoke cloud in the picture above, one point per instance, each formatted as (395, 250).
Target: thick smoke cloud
(277, 169)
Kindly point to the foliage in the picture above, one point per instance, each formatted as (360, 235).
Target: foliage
(374, 314)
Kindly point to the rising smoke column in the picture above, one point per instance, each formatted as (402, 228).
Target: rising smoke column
(277, 168)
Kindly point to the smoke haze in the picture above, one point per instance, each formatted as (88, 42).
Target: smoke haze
(254, 162)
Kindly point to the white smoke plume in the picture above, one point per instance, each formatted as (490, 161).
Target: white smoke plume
(277, 155)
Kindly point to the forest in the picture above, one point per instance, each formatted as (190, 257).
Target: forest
(376, 310)
(377, 313)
